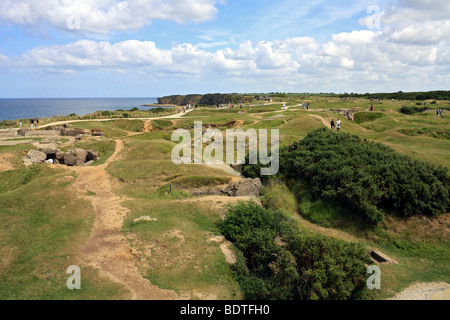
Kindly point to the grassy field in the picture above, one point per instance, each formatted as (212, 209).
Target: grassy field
(43, 222)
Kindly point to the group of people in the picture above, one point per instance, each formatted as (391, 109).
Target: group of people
(336, 125)
(34, 122)
(439, 113)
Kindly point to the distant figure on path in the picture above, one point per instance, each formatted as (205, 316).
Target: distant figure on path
(20, 124)
(332, 124)
(284, 106)
(303, 106)
(307, 107)
(371, 108)
(36, 122)
(440, 113)
(437, 112)
(338, 125)
(32, 123)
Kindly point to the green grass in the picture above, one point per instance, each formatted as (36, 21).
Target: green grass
(15, 179)
(127, 125)
(109, 127)
(421, 245)
(90, 193)
(361, 117)
(199, 181)
(105, 148)
(161, 124)
(42, 222)
(41, 226)
(182, 258)
(438, 133)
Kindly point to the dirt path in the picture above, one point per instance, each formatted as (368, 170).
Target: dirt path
(148, 126)
(60, 123)
(6, 161)
(335, 233)
(425, 291)
(324, 121)
(107, 249)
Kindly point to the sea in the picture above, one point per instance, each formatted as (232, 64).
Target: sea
(12, 109)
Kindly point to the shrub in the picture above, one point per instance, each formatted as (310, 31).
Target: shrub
(412, 110)
(305, 267)
(366, 177)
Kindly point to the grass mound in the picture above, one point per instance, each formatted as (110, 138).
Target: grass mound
(361, 117)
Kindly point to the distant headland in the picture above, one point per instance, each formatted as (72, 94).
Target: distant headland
(220, 98)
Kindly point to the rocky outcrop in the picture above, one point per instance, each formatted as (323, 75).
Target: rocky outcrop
(207, 99)
(34, 157)
(246, 187)
(77, 157)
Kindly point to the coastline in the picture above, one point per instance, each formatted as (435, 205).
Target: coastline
(30, 108)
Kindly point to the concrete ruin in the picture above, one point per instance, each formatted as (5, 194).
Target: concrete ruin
(76, 157)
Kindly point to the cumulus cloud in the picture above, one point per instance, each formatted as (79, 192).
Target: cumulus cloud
(104, 16)
(364, 50)
(405, 52)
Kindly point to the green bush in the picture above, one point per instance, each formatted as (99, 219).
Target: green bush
(437, 133)
(412, 110)
(366, 177)
(306, 267)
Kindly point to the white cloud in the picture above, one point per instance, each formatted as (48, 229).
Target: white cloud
(360, 55)
(404, 54)
(3, 60)
(104, 16)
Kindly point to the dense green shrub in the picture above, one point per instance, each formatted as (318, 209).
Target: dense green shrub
(368, 178)
(438, 133)
(412, 110)
(306, 267)
(8, 124)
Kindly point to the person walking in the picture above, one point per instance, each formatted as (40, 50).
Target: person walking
(440, 113)
(32, 123)
(307, 107)
(36, 122)
(338, 125)
(332, 125)
(20, 124)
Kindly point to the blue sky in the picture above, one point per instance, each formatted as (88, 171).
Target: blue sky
(142, 48)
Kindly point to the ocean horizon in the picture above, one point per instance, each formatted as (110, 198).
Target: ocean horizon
(27, 108)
